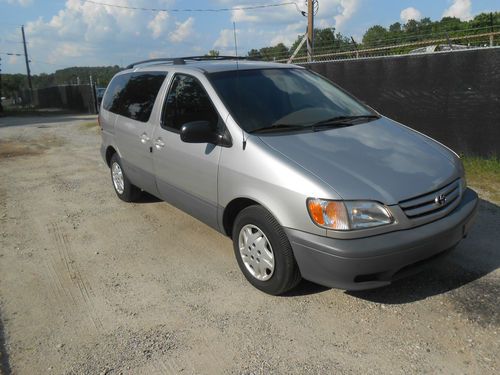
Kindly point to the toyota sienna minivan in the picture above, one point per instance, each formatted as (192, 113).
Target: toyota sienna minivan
(306, 180)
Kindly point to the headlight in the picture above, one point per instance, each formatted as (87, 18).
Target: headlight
(348, 215)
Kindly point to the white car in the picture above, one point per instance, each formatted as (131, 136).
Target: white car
(438, 48)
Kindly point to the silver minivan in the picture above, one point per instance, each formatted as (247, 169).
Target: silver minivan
(307, 181)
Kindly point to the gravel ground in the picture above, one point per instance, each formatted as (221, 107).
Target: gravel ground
(92, 285)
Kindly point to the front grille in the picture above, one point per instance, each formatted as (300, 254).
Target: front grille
(433, 202)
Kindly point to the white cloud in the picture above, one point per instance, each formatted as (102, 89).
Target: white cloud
(332, 13)
(183, 31)
(240, 15)
(225, 39)
(260, 28)
(347, 9)
(459, 9)
(410, 14)
(158, 25)
(87, 34)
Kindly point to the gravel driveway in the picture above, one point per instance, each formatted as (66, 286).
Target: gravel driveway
(92, 285)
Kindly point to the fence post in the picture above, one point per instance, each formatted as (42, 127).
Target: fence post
(93, 97)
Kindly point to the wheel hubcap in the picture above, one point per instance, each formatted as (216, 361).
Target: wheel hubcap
(256, 252)
(117, 174)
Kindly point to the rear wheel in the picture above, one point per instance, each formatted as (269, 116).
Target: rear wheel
(263, 251)
(125, 190)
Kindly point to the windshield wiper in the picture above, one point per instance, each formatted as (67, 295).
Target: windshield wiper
(277, 127)
(338, 121)
(341, 121)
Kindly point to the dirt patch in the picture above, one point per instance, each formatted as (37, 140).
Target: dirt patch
(92, 285)
(122, 350)
(10, 148)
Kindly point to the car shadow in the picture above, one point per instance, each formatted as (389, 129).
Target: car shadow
(305, 288)
(147, 198)
(4, 356)
(476, 256)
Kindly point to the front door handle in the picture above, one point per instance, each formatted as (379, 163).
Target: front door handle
(159, 143)
(144, 138)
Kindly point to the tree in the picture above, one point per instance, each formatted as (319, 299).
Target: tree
(213, 53)
(395, 28)
(325, 41)
(277, 52)
(254, 53)
(375, 36)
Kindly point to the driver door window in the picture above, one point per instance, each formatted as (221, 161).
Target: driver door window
(187, 101)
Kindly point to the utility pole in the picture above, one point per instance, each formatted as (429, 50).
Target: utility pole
(310, 29)
(491, 28)
(1, 107)
(27, 65)
(93, 97)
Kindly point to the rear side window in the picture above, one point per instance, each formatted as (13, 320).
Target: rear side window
(133, 95)
(187, 101)
(115, 88)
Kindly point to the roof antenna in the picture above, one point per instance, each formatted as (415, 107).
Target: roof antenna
(238, 79)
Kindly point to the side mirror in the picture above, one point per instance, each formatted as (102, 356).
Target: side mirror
(198, 132)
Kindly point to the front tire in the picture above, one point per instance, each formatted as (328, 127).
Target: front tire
(124, 189)
(263, 251)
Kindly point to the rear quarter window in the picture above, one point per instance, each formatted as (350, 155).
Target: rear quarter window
(133, 94)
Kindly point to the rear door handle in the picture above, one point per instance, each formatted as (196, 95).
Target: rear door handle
(144, 138)
(159, 143)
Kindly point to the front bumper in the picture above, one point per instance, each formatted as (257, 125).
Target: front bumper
(372, 262)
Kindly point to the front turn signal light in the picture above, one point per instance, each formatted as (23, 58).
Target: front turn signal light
(329, 214)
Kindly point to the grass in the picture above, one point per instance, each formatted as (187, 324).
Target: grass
(484, 176)
(90, 124)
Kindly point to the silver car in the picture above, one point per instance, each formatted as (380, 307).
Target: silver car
(307, 181)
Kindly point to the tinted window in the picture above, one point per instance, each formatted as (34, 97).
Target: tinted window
(261, 98)
(187, 101)
(115, 87)
(133, 95)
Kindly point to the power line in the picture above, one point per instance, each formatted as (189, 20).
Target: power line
(11, 54)
(178, 10)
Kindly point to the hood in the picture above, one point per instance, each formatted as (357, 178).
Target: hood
(379, 160)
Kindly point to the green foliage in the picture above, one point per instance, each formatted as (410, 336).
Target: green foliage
(328, 41)
(213, 53)
(13, 83)
(279, 51)
(375, 36)
(325, 41)
(483, 175)
(426, 29)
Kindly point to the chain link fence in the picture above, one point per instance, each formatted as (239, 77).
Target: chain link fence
(411, 44)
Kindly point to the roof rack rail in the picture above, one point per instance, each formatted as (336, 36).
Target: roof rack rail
(182, 60)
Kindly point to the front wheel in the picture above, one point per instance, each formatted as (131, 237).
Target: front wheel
(263, 251)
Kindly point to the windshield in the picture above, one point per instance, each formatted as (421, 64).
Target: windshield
(276, 98)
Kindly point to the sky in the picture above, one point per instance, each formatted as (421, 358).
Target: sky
(63, 33)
